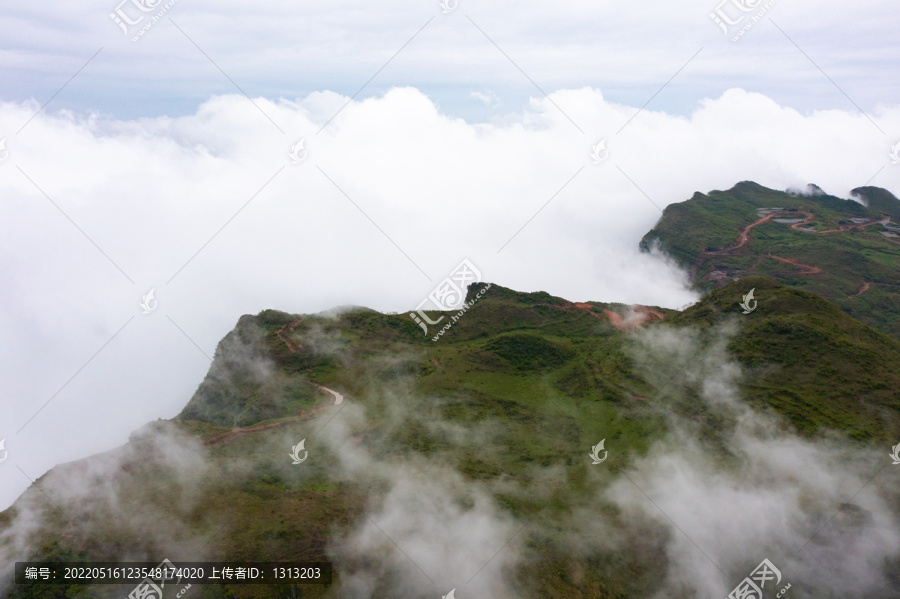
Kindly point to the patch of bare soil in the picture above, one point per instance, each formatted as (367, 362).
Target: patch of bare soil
(286, 330)
(865, 287)
(637, 316)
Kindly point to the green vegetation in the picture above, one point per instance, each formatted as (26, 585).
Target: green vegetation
(809, 361)
(522, 382)
(849, 260)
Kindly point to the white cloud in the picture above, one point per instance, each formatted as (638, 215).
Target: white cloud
(152, 193)
(488, 98)
(289, 49)
(810, 506)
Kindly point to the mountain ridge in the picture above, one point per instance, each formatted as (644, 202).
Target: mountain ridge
(536, 379)
(843, 250)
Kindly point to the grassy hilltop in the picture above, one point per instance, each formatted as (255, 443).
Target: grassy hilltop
(846, 251)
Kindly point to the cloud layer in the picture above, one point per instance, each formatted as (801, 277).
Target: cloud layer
(210, 211)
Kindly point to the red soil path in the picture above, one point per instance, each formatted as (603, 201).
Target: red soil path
(865, 287)
(304, 415)
(288, 328)
(805, 269)
(744, 235)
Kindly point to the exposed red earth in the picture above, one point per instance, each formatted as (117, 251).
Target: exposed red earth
(842, 228)
(615, 319)
(289, 327)
(865, 287)
(637, 316)
(805, 269)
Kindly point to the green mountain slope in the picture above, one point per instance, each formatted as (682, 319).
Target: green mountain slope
(512, 398)
(855, 264)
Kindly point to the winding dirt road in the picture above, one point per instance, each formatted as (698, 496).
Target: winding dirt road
(805, 269)
(289, 327)
(304, 415)
(744, 233)
(338, 398)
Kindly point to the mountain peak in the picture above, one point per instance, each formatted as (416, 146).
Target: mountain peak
(842, 250)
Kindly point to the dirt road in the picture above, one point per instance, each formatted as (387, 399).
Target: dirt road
(338, 398)
(842, 228)
(294, 347)
(744, 233)
(304, 415)
(805, 269)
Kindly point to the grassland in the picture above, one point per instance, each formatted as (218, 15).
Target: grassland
(860, 267)
(533, 379)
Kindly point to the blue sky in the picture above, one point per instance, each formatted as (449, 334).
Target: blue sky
(290, 49)
(147, 167)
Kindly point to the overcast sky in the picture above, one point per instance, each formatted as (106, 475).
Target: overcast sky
(428, 137)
